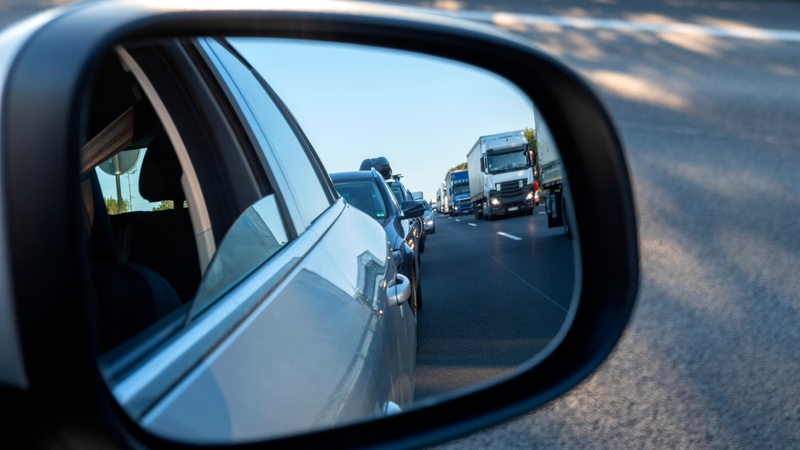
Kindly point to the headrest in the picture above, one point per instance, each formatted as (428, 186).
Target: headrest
(160, 178)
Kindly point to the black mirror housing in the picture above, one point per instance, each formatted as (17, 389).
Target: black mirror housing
(59, 360)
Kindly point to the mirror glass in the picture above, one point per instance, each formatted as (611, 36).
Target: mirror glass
(493, 255)
(496, 291)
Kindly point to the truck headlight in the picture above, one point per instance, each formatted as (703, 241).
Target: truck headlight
(529, 196)
(495, 201)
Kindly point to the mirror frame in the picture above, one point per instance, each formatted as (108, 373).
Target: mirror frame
(62, 374)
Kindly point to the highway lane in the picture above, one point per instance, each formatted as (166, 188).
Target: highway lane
(495, 293)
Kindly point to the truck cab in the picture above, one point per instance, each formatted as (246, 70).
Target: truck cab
(501, 177)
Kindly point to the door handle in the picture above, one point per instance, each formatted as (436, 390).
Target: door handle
(398, 290)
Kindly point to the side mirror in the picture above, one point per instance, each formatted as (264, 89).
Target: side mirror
(413, 208)
(53, 363)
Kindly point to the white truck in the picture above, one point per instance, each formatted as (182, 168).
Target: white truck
(501, 175)
(551, 178)
(444, 199)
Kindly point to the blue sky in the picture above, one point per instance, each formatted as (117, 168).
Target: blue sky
(354, 102)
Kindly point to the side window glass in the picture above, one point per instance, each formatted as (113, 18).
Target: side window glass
(255, 237)
(275, 136)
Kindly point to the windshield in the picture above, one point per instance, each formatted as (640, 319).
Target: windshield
(463, 189)
(364, 195)
(460, 183)
(399, 193)
(503, 162)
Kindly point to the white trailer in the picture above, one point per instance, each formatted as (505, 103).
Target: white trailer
(501, 175)
(551, 178)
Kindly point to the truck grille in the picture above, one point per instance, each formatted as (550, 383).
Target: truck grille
(511, 188)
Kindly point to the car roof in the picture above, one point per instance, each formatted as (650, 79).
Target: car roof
(354, 175)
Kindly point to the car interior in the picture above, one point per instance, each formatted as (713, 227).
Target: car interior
(145, 263)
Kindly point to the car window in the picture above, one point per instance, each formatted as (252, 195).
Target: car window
(140, 233)
(255, 236)
(398, 191)
(277, 139)
(364, 195)
(151, 339)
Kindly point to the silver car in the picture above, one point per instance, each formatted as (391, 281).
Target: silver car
(223, 265)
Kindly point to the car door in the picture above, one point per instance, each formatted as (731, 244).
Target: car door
(290, 328)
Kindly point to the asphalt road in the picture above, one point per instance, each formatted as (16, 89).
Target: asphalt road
(495, 293)
(709, 121)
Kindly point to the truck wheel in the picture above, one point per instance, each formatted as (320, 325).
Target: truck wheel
(478, 211)
(555, 213)
(565, 218)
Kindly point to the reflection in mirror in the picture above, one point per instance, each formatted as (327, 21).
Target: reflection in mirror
(255, 236)
(304, 319)
(497, 281)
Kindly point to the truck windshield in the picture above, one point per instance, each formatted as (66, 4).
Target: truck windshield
(504, 162)
(459, 183)
(461, 189)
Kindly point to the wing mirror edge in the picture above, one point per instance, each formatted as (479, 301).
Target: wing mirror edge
(607, 241)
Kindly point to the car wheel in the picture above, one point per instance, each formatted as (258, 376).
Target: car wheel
(416, 295)
(419, 297)
(565, 218)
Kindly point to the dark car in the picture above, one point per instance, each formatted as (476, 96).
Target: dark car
(402, 194)
(367, 191)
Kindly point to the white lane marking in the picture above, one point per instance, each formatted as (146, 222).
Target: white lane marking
(458, 220)
(510, 236)
(503, 19)
(472, 224)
